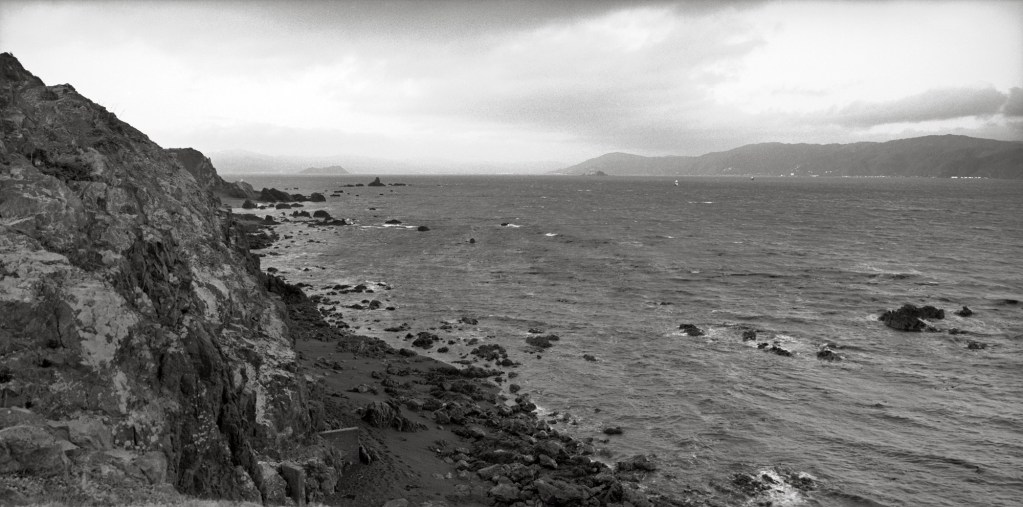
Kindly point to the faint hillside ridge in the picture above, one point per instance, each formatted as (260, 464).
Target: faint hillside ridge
(627, 164)
(328, 170)
(943, 156)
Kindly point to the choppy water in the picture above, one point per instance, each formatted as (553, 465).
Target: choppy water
(614, 265)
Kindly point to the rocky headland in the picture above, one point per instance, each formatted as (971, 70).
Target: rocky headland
(140, 346)
(145, 357)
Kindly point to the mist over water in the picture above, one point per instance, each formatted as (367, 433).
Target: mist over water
(614, 265)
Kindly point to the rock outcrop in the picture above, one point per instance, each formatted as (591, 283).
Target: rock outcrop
(201, 168)
(137, 333)
(908, 317)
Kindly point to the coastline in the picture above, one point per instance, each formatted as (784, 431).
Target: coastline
(469, 444)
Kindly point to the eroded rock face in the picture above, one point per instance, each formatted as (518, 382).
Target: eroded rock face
(131, 302)
(201, 168)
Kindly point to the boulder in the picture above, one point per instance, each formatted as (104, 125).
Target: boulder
(274, 195)
(505, 492)
(638, 462)
(248, 204)
(557, 492)
(549, 448)
(317, 197)
(425, 340)
(388, 415)
(87, 432)
(31, 450)
(691, 330)
(542, 341)
(321, 214)
(826, 354)
(778, 350)
(965, 312)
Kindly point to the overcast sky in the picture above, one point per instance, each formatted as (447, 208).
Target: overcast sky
(523, 81)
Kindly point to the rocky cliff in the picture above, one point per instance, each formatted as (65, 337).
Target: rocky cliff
(137, 341)
(201, 168)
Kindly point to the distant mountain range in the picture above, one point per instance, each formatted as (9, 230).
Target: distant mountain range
(930, 156)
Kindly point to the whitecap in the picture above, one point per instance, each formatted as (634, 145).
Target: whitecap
(550, 234)
(781, 491)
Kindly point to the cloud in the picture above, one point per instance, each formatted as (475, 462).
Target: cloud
(938, 104)
(1014, 105)
(528, 79)
(633, 74)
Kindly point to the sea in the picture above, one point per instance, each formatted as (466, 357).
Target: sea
(613, 266)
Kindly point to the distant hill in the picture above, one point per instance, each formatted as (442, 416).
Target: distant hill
(329, 170)
(930, 156)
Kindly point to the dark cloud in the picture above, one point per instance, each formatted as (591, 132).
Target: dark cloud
(457, 18)
(940, 104)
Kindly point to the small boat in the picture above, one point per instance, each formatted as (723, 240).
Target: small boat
(676, 183)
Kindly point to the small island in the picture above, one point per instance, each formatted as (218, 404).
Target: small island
(330, 170)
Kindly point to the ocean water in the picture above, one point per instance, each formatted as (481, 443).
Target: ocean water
(614, 265)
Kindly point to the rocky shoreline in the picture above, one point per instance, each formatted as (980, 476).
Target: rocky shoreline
(438, 434)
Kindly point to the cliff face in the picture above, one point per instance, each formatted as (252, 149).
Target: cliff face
(136, 339)
(201, 168)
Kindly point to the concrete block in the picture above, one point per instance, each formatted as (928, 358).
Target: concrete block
(294, 475)
(345, 440)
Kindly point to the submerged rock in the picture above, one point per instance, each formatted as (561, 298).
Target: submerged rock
(542, 342)
(826, 354)
(691, 330)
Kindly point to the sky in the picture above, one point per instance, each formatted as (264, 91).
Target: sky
(514, 81)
